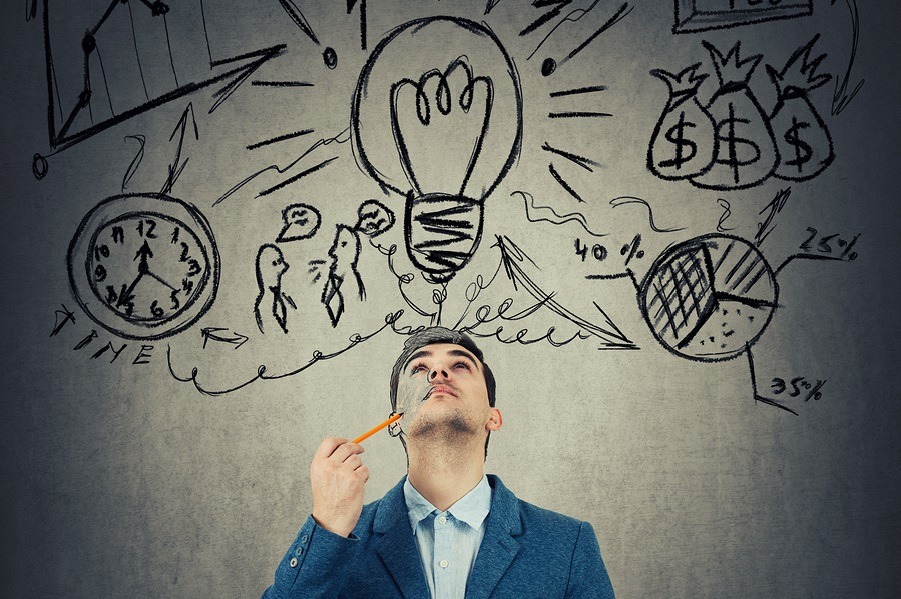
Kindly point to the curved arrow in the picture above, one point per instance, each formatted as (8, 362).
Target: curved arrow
(841, 98)
(512, 259)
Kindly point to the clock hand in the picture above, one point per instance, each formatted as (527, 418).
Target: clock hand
(143, 254)
(160, 279)
(126, 296)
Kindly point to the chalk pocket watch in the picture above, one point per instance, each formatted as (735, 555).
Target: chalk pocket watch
(144, 266)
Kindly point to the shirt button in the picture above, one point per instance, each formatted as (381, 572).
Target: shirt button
(293, 562)
(304, 539)
(442, 520)
(442, 563)
(298, 551)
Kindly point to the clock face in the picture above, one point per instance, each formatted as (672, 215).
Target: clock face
(143, 266)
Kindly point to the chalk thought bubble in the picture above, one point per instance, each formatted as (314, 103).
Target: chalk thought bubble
(301, 222)
(374, 218)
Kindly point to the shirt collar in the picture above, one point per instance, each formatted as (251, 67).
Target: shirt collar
(472, 508)
(418, 507)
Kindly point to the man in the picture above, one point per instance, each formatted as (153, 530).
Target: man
(446, 530)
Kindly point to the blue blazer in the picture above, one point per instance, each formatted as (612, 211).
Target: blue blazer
(526, 552)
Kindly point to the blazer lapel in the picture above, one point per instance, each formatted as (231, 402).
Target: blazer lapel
(499, 546)
(397, 547)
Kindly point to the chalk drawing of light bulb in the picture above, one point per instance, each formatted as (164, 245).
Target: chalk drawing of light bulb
(437, 117)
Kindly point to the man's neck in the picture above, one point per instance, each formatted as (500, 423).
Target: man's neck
(443, 477)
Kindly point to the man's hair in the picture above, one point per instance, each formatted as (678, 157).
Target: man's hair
(432, 336)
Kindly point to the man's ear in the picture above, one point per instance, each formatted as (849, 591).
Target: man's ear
(495, 420)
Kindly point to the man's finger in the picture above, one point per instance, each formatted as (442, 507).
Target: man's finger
(354, 462)
(345, 450)
(328, 446)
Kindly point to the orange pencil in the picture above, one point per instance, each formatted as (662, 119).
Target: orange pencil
(376, 429)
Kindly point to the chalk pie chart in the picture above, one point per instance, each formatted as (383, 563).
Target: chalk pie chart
(709, 298)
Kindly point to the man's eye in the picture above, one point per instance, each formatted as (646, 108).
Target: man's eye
(417, 368)
(464, 365)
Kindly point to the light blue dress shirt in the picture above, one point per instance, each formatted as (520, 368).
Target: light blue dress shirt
(448, 541)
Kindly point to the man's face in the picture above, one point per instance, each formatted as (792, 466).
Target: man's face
(345, 248)
(272, 265)
(442, 387)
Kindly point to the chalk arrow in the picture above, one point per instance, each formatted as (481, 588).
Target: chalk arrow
(841, 98)
(177, 166)
(230, 80)
(215, 333)
(514, 261)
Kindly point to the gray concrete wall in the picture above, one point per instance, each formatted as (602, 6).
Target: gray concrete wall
(123, 477)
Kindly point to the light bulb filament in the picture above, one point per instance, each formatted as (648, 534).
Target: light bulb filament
(443, 102)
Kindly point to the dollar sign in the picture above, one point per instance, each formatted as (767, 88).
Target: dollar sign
(803, 151)
(732, 142)
(676, 135)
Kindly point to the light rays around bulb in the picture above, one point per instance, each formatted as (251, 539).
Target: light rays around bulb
(562, 183)
(582, 161)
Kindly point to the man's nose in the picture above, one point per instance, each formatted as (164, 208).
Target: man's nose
(436, 372)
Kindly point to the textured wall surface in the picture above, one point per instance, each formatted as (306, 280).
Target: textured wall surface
(687, 289)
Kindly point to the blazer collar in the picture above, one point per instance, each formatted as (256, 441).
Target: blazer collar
(499, 545)
(397, 547)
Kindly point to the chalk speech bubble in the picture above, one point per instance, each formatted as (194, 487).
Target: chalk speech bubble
(374, 218)
(301, 222)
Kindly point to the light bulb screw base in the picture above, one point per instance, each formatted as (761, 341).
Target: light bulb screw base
(442, 232)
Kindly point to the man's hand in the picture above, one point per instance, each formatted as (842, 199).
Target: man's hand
(338, 478)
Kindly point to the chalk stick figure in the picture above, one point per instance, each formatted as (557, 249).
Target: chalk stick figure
(271, 308)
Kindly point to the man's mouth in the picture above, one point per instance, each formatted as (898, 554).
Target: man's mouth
(442, 389)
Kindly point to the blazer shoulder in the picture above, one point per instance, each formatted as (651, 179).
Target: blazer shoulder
(523, 517)
(537, 514)
(538, 520)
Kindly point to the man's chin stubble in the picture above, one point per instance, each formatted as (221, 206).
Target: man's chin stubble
(454, 428)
